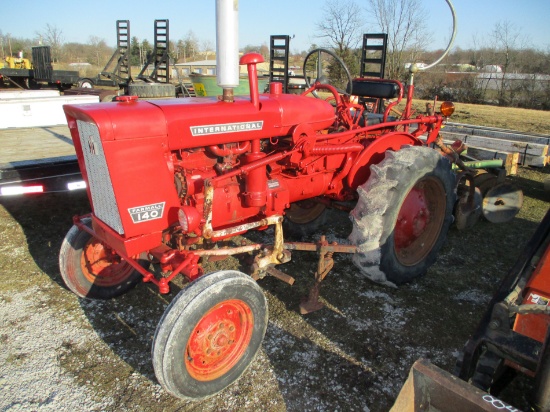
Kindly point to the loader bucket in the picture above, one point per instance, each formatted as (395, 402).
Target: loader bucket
(429, 388)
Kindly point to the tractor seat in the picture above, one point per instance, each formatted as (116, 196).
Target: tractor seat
(370, 119)
(378, 89)
(376, 118)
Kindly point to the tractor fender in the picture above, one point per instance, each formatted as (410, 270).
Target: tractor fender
(374, 153)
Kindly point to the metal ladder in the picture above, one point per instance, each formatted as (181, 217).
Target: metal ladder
(278, 55)
(184, 88)
(121, 72)
(159, 59)
(373, 56)
(373, 63)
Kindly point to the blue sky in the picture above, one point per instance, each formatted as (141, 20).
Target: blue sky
(258, 19)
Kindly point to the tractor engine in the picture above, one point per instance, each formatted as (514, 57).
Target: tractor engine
(148, 164)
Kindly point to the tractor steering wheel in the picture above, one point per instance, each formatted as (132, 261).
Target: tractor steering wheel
(320, 76)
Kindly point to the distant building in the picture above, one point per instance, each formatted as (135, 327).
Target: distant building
(492, 68)
(80, 65)
(208, 67)
(493, 80)
(198, 67)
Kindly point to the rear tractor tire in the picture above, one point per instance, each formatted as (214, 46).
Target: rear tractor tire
(209, 334)
(92, 270)
(403, 214)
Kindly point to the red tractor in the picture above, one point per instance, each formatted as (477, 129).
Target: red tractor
(168, 180)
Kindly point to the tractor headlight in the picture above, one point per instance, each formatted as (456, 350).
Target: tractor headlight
(189, 218)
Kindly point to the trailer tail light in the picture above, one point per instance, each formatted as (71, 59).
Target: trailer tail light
(76, 185)
(21, 190)
(189, 218)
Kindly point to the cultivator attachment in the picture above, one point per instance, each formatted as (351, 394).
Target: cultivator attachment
(481, 189)
(502, 203)
(468, 208)
(482, 193)
(269, 256)
(324, 265)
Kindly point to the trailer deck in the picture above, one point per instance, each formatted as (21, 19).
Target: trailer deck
(38, 160)
(35, 143)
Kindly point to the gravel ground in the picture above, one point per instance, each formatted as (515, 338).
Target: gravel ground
(63, 353)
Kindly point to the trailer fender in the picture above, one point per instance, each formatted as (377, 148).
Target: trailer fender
(374, 153)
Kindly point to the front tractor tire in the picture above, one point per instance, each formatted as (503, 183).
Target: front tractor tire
(209, 334)
(92, 270)
(403, 214)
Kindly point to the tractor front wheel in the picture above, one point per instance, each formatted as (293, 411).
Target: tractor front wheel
(91, 269)
(209, 334)
(403, 214)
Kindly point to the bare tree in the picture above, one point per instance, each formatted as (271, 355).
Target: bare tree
(53, 37)
(506, 42)
(99, 50)
(404, 22)
(2, 40)
(342, 25)
(341, 29)
(263, 49)
(73, 52)
(207, 48)
(509, 68)
(190, 46)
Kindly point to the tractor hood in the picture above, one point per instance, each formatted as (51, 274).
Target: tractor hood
(197, 122)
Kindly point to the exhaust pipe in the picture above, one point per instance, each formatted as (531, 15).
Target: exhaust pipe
(227, 46)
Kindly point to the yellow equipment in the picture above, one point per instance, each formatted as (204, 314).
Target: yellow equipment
(18, 63)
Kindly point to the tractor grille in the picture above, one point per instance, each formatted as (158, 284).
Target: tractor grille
(99, 180)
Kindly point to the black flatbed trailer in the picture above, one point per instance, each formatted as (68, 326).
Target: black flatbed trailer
(41, 73)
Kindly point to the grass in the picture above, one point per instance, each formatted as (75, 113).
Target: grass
(523, 120)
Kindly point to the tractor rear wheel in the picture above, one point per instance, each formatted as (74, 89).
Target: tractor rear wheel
(403, 214)
(92, 270)
(209, 334)
(304, 218)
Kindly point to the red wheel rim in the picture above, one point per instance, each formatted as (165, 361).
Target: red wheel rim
(419, 221)
(102, 266)
(219, 340)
